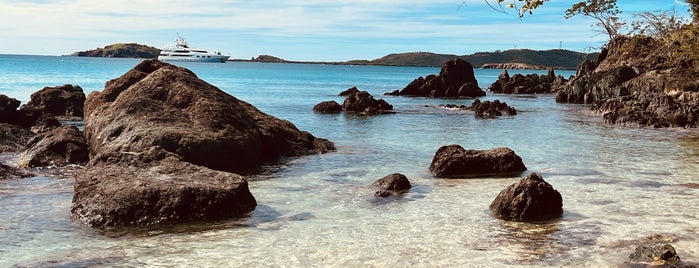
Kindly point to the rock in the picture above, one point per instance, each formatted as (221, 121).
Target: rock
(57, 147)
(529, 199)
(44, 124)
(10, 115)
(349, 91)
(456, 79)
(66, 100)
(488, 109)
(392, 184)
(527, 84)
(12, 173)
(159, 104)
(662, 255)
(14, 138)
(327, 107)
(453, 161)
(163, 144)
(154, 187)
(364, 103)
(630, 83)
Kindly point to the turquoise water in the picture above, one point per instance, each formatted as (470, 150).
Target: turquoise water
(618, 184)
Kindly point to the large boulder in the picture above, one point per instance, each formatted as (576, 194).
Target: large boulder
(159, 104)
(392, 184)
(529, 199)
(57, 147)
(163, 144)
(66, 100)
(455, 79)
(14, 138)
(453, 161)
(364, 103)
(154, 187)
(527, 84)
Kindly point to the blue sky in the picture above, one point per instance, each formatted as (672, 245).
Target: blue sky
(312, 30)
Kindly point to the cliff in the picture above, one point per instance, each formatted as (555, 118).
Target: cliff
(121, 50)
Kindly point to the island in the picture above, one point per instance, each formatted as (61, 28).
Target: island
(121, 50)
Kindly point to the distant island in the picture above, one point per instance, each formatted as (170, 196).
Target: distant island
(121, 50)
(508, 59)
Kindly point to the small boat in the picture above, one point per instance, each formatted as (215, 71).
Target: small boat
(182, 52)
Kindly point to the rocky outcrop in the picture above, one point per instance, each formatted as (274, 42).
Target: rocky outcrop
(10, 115)
(14, 138)
(486, 109)
(121, 50)
(456, 79)
(327, 107)
(349, 91)
(453, 161)
(364, 103)
(163, 144)
(529, 199)
(512, 66)
(58, 147)
(66, 100)
(640, 81)
(393, 184)
(527, 84)
(12, 173)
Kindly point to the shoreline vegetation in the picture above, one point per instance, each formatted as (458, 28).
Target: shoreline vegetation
(561, 59)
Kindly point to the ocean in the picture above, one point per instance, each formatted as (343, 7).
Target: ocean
(619, 184)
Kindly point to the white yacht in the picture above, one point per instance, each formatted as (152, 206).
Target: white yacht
(182, 52)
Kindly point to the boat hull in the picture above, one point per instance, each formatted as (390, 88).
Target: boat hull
(191, 58)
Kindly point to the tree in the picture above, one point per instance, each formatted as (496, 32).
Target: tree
(527, 6)
(606, 12)
(657, 24)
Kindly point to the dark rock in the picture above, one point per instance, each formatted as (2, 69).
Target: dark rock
(14, 138)
(154, 187)
(327, 107)
(183, 114)
(455, 161)
(527, 84)
(529, 199)
(57, 147)
(12, 173)
(660, 255)
(364, 103)
(44, 124)
(349, 91)
(488, 109)
(10, 115)
(392, 184)
(66, 100)
(162, 144)
(456, 79)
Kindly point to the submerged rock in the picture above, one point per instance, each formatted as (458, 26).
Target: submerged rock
(486, 109)
(392, 184)
(327, 107)
(454, 161)
(59, 147)
(529, 199)
(455, 79)
(163, 143)
(12, 173)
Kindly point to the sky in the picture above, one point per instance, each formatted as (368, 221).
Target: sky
(301, 30)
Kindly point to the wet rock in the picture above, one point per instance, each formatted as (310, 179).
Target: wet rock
(66, 100)
(364, 103)
(44, 124)
(154, 187)
(527, 84)
(10, 115)
(14, 138)
(529, 199)
(392, 184)
(486, 109)
(57, 147)
(662, 255)
(454, 161)
(12, 173)
(349, 91)
(456, 79)
(327, 107)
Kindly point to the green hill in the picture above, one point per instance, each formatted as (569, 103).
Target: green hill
(120, 50)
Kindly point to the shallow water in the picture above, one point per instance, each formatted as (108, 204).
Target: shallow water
(618, 184)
